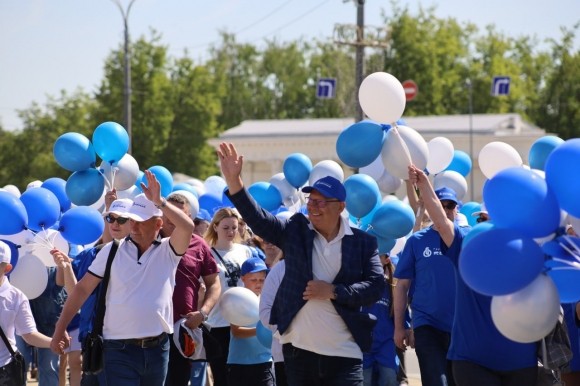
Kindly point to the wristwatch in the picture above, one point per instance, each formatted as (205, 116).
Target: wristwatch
(205, 316)
(163, 203)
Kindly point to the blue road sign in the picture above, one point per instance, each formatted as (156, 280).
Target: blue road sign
(326, 88)
(500, 85)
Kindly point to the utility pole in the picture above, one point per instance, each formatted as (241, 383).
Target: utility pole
(469, 87)
(354, 35)
(127, 91)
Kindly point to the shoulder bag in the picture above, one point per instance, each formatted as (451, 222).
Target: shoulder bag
(14, 373)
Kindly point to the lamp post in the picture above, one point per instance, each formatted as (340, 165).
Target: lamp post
(360, 51)
(469, 86)
(127, 71)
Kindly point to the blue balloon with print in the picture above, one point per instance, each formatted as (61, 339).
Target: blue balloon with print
(264, 335)
(42, 207)
(85, 187)
(360, 144)
(111, 141)
(541, 150)
(266, 195)
(500, 261)
(163, 176)
(362, 194)
(562, 175)
(468, 209)
(393, 219)
(81, 225)
(58, 187)
(74, 152)
(210, 202)
(14, 215)
(518, 198)
(461, 163)
(297, 168)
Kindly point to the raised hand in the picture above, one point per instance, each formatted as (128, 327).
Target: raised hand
(153, 188)
(231, 166)
(110, 196)
(60, 259)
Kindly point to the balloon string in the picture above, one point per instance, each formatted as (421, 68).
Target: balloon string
(395, 131)
(107, 182)
(571, 252)
(571, 242)
(571, 265)
(113, 175)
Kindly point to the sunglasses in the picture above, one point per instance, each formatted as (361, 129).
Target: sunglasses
(111, 220)
(319, 203)
(449, 205)
(481, 219)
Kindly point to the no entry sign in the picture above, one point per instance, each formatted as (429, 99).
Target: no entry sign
(411, 89)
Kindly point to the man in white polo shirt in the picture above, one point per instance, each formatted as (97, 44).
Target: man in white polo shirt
(139, 312)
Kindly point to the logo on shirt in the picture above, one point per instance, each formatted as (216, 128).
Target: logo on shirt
(427, 252)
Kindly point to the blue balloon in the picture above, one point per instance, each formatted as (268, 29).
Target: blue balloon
(163, 176)
(226, 202)
(562, 175)
(42, 207)
(362, 194)
(360, 144)
(385, 245)
(186, 187)
(81, 225)
(297, 168)
(264, 335)
(393, 219)
(566, 279)
(461, 163)
(266, 195)
(500, 262)
(475, 230)
(58, 187)
(517, 198)
(13, 253)
(14, 216)
(468, 209)
(541, 149)
(111, 141)
(364, 223)
(74, 152)
(85, 187)
(210, 202)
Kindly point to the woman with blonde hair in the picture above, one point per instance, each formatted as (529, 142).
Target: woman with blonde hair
(224, 239)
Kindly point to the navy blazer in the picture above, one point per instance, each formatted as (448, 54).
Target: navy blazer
(359, 282)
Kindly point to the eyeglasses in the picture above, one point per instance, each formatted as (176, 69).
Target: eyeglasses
(449, 205)
(319, 203)
(111, 220)
(481, 219)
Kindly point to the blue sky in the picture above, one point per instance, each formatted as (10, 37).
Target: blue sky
(50, 45)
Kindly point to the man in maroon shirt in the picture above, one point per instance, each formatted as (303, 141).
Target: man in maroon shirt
(197, 264)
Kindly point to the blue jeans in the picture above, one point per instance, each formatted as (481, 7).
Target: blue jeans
(431, 345)
(48, 363)
(305, 368)
(198, 373)
(380, 376)
(130, 365)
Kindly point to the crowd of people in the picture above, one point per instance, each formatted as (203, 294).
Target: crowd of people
(332, 309)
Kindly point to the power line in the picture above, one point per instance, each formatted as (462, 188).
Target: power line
(263, 18)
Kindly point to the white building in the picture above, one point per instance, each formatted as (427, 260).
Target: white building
(265, 144)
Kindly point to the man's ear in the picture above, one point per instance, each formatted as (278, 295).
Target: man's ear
(8, 268)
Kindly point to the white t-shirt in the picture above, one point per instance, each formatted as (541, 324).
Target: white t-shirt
(139, 297)
(317, 327)
(233, 258)
(15, 318)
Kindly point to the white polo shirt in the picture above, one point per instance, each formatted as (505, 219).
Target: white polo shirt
(139, 297)
(15, 317)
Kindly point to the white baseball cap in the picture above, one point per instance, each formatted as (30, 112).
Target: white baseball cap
(120, 207)
(143, 209)
(188, 342)
(5, 253)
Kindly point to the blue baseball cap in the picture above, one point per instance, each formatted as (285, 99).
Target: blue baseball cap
(204, 215)
(329, 187)
(447, 194)
(252, 265)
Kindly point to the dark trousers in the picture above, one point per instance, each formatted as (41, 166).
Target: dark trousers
(305, 368)
(260, 374)
(179, 367)
(280, 371)
(218, 365)
(470, 374)
(431, 346)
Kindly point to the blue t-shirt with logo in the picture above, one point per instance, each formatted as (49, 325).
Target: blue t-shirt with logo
(433, 277)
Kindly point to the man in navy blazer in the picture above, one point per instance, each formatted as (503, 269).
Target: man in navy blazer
(331, 270)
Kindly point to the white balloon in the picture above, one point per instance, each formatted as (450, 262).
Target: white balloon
(388, 183)
(453, 180)
(215, 185)
(239, 306)
(382, 97)
(34, 184)
(29, 276)
(440, 154)
(193, 202)
(279, 181)
(399, 150)
(375, 169)
(197, 185)
(22, 238)
(326, 168)
(100, 203)
(497, 156)
(12, 189)
(529, 314)
(399, 245)
(44, 242)
(126, 172)
(390, 197)
(130, 193)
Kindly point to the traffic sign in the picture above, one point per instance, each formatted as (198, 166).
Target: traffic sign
(411, 89)
(500, 85)
(326, 88)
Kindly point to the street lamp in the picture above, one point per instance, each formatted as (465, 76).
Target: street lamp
(469, 86)
(360, 52)
(127, 71)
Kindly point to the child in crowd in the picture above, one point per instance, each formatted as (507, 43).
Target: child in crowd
(250, 362)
